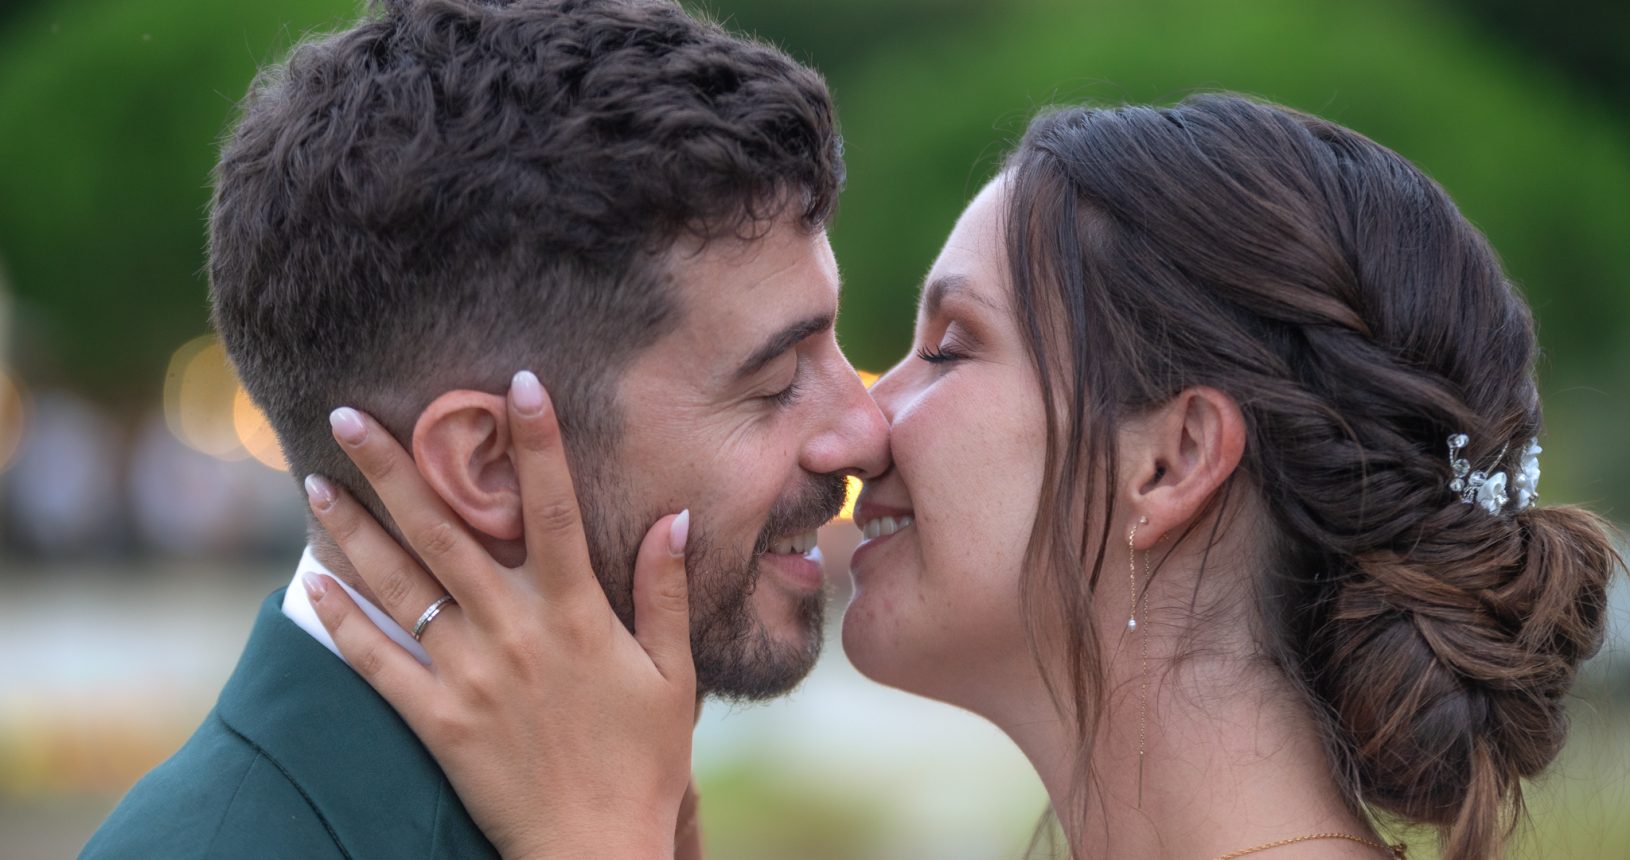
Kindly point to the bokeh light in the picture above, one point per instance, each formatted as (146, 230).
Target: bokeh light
(199, 389)
(13, 417)
(850, 498)
(254, 433)
(868, 379)
(208, 410)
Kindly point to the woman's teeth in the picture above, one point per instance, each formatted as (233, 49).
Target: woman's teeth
(794, 545)
(885, 526)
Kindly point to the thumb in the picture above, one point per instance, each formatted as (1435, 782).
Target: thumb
(662, 598)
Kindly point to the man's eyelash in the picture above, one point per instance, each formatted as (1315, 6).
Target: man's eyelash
(787, 396)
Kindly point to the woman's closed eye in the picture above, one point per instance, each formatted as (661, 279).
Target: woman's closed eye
(937, 355)
(953, 345)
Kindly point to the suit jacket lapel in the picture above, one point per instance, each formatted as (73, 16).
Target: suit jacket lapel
(379, 791)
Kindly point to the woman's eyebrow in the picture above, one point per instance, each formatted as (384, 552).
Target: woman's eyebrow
(946, 286)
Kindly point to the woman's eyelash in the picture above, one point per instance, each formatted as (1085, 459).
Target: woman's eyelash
(937, 356)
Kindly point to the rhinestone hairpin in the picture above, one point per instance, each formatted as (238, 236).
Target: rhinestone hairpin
(1488, 490)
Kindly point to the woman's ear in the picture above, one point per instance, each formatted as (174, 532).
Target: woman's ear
(1182, 455)
(462, 447)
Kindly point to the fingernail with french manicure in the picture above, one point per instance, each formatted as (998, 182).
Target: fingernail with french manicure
(678, 533)
(316, 585)
(527, 393)
(320, 491)
(347, 424)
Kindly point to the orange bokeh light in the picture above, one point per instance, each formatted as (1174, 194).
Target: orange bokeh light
(255, 434)
(206, 408)
(868, 379)
(849, 500)
(13, 417)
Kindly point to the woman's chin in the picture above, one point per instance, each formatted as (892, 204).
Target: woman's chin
(866, 641)
(875, 644)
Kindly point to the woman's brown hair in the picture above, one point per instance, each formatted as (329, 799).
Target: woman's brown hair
(1340, 298)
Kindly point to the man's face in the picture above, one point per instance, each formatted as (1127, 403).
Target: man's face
(748, 414)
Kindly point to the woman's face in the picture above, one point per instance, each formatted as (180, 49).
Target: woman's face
(936, 606)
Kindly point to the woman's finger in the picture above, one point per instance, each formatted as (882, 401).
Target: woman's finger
(399, 585)
(391, 671)
(557, 553)
(661, 598)
(427, 524)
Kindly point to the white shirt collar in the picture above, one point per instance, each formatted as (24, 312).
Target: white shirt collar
(297, 606)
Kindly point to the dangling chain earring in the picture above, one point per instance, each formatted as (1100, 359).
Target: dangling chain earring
(1143, 642)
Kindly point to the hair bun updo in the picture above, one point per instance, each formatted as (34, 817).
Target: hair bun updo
(1446, 668)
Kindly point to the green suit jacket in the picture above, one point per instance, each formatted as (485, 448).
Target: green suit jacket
(299, 758)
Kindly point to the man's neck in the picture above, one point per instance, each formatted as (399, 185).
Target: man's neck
(333, 559)
(297, 607)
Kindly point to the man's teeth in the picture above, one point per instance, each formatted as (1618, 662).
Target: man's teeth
(795, 545)
(885, 526)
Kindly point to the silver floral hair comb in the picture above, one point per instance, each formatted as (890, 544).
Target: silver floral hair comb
(1489, 490)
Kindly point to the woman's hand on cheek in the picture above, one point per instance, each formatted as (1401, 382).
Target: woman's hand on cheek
(564, 734)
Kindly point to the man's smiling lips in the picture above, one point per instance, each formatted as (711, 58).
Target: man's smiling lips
(797, 544)
(796, 562)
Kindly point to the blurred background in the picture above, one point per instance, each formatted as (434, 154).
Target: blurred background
(144, 510)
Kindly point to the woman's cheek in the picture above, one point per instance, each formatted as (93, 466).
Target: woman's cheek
(968, 462)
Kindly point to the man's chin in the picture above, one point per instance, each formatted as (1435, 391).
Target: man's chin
(766, 661)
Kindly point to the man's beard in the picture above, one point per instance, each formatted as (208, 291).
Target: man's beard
(737, 659)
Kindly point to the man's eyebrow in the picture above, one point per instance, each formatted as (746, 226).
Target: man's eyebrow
(942, 288)
(782, 341)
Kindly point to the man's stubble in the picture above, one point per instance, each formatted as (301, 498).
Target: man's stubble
(737, 659)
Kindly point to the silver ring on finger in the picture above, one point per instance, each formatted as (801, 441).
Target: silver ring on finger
(430, 614)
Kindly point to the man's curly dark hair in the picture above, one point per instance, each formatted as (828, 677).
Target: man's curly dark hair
(449, 191)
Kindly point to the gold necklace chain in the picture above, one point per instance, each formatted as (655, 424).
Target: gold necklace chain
(1396, 850)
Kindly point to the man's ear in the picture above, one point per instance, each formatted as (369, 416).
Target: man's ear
(462, 447)
(1179, 458)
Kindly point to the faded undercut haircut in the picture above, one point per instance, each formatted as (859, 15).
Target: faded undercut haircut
(450, 191)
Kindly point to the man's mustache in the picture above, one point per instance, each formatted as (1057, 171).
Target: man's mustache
(811, 508)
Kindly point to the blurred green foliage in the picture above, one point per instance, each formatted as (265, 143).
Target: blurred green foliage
(751, 811)
(1585, 38)
(110, 111)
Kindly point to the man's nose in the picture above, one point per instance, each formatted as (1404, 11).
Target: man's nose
(856, 440)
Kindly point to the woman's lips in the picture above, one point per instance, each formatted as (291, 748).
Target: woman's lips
(877, 530)
(870, 508)
(882, 527)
